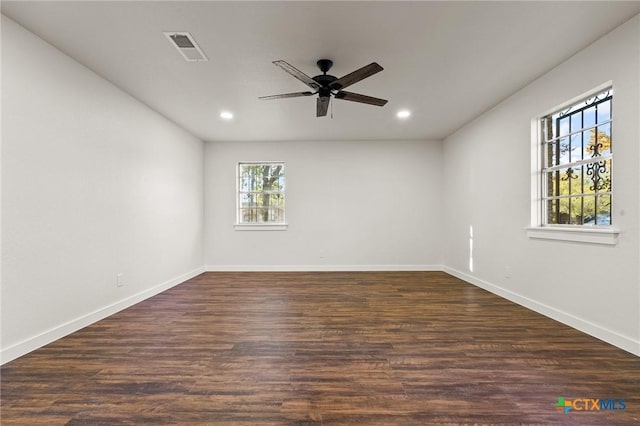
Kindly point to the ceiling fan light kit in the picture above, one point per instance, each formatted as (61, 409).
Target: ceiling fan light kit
(326, 85)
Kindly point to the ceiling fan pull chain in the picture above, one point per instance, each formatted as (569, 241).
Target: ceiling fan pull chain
(331, 108)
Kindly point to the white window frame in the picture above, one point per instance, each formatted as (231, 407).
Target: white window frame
(275, 226)
(539, 229)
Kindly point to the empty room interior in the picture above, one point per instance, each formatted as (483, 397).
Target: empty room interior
(319, 212)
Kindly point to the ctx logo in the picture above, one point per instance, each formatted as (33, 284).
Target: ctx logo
(589, 404)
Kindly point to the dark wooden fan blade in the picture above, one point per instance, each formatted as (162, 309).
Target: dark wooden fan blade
(297, 74)
(322, 105)
(357, 97)
(356, 76)
(287, 95)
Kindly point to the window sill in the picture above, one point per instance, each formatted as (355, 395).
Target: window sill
(260, 227)
(599, 235)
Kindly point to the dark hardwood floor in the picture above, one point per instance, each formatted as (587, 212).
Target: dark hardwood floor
(384, 348)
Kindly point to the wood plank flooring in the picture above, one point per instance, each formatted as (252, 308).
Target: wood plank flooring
(375, 348)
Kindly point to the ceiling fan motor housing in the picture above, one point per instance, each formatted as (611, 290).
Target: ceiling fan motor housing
(324, 92)
(324, 79)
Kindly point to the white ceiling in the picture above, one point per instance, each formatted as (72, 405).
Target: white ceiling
(445, 61)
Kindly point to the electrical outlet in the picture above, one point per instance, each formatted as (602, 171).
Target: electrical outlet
(119, 280)
(507, 272)
(322, 254)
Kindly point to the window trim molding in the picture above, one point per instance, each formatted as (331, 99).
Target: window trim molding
(260, 227)
(607, 235)
(238, 226)
(591, 234)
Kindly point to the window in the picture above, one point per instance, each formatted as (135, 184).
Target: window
(574, 147)
(576, 163)
(261, 194)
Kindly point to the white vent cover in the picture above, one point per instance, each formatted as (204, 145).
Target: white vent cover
(186, 45)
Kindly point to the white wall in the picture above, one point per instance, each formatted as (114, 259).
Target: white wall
(487, 167)
(350, 205)
(94, 184)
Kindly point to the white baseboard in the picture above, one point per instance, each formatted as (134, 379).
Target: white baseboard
(320, 268)
(22, 348)
(623, 342)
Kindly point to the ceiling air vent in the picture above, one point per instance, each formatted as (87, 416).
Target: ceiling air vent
(186, 45)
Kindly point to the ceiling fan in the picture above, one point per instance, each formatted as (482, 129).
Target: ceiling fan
(326, 85)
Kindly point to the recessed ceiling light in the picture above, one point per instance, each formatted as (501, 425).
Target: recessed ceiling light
(403, 113)
(226, 115)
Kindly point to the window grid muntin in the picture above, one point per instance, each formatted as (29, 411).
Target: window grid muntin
(597, 161)
(260, 214)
